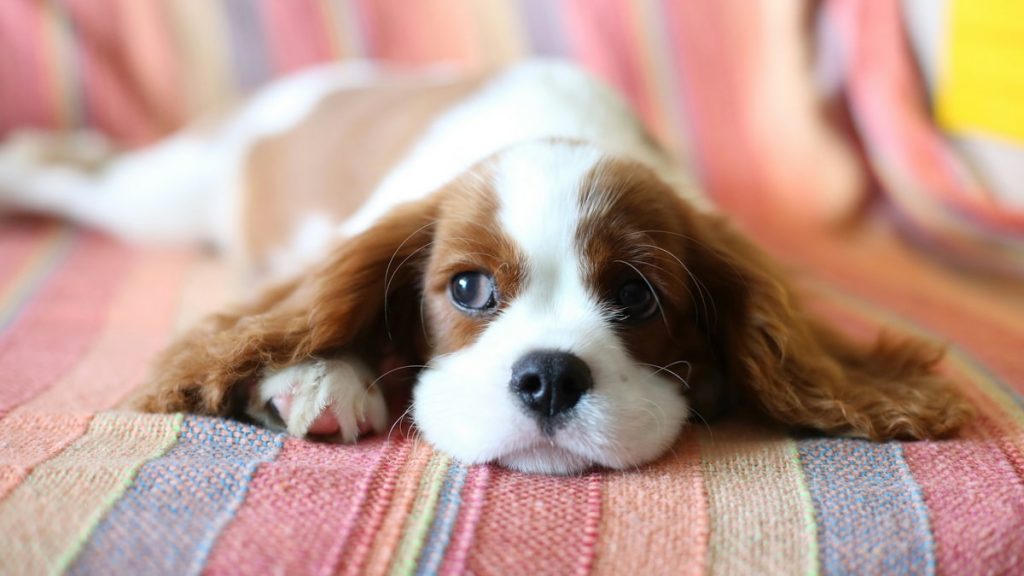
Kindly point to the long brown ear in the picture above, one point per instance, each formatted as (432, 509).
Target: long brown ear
(343, 303)
(803, 373)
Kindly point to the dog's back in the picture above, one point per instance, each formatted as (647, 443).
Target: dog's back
(318, 154)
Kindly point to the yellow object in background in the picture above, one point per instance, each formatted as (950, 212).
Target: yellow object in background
(981, 80)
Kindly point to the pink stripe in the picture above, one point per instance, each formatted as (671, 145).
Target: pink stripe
(469, 517)
(30, 439)
(297, 34)
(24, 91)
(138, 326)
(19, 241)
(547, 539)
(61, 322)
(603, 34)
(380, 493)
(300, 510)
(975, 501)
(711, 84)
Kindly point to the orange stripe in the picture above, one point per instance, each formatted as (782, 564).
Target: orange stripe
(421, 32)
(657, 513)
(560, 510)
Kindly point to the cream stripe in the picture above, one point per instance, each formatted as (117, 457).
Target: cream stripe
(760, 508)
(499, 34)
(201, 40)
(421, 516)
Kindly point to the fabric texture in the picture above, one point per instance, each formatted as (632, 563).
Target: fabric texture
(88, 488)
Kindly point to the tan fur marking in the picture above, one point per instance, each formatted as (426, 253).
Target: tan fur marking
(331, 162)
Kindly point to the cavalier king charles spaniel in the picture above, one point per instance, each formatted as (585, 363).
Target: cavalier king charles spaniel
(567, 298)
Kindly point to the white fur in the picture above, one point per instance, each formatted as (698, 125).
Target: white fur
(533, 101)
(463, 403)
(341, 385)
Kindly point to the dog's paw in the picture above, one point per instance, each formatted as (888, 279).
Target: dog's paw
(323, 398)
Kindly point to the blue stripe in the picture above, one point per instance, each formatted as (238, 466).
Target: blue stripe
(447, 511)
(248, 42)
(871, 514)
(168, 520)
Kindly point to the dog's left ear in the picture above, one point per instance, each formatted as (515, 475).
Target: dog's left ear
(361, 298)
(798, 370)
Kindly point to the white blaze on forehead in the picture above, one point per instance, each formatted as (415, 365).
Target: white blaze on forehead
(538, 187)
(463, 402)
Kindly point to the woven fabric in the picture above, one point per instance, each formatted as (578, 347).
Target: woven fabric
(178, 504)
(758, 502)
(85, 488)
(866, 499)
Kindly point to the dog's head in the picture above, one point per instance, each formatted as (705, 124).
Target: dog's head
(572, 309)
(562, 318)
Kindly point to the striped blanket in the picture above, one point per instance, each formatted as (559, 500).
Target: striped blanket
(88, 487)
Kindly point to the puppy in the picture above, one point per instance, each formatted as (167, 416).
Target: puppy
(568, 299)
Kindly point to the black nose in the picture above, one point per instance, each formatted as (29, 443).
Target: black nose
(548, 382)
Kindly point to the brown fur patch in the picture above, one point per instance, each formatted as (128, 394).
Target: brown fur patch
(363, 298)
(468, 238)
(729, 310)
(629, 230)
(329, 163)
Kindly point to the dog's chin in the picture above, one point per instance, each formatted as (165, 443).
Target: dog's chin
(545, 459)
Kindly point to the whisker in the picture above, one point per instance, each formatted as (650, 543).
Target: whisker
(387, 269)
(701, 288)
(706, 425)
(393, 370)
(659, 369)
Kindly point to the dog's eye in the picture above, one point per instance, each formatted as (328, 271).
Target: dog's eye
(473, 291)
(636, 300)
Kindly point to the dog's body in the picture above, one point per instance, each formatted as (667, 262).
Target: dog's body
(518, 232)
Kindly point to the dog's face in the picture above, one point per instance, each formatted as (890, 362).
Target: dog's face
(561, 313)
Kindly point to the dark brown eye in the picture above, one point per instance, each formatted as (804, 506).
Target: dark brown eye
(636, 300)
(473, 292)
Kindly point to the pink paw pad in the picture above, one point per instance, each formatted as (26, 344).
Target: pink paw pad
(326, 423)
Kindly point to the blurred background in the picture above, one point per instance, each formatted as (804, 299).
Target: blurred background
(877, 121)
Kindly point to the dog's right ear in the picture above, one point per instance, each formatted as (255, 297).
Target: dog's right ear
(337, 306)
